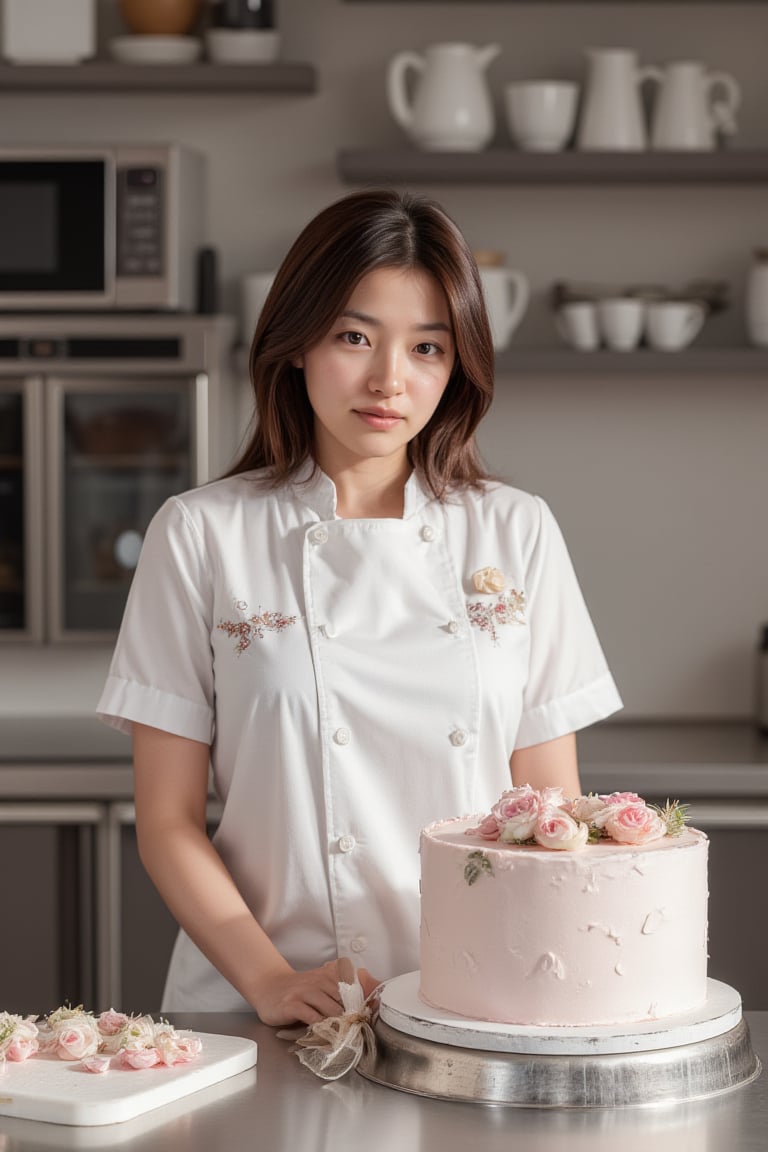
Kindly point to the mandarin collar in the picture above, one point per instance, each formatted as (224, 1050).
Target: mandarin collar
(315, 489)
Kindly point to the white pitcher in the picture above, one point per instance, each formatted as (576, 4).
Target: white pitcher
(506, 292)
(612, 112)
(687, 113)
(451, 109)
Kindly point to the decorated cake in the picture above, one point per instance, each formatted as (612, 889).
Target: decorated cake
(552, 912)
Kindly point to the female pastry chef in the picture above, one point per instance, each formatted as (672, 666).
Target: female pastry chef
(356, 628)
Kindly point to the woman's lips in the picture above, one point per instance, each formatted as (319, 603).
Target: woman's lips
(378, 418)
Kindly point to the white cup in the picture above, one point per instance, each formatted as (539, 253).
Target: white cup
(672, 324)
(506, 292)
(254, 289)
(576, 322)
(541, 114)
(621, 320)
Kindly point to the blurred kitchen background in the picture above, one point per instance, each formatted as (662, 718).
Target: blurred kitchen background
(653, 460)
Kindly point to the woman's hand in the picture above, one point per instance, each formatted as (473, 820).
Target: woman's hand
(305, 997)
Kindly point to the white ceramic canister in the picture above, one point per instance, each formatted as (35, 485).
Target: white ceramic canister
(757, 299)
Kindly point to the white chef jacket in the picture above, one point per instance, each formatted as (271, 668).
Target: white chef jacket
(354, 687)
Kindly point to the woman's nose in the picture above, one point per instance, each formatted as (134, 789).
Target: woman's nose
(387, 373)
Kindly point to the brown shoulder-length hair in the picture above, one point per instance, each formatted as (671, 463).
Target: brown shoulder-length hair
(344, 242)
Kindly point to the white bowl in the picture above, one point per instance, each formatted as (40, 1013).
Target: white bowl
(541, 114)
(149, 49)
(242, 45)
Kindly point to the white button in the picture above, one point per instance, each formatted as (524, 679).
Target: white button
(319, 535)
(428, 533)
(359, 944)
(342, 736)
(453, 627)
(459, 737)
(347, 843)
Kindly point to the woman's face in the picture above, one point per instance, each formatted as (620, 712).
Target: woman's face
(376, 378)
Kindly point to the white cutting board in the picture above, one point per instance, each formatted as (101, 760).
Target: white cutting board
(60, 1092)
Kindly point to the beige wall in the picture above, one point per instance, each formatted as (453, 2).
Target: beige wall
(660, 483)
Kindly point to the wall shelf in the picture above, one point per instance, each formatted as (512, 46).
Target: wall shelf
(204, 79)
(508, 166)
(517, 361)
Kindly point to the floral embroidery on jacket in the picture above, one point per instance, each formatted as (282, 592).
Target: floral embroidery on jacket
(506, 609)
(253, 627)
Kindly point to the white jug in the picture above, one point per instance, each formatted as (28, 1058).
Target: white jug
(687, 114)
(451, 108)
(612, 112)
(506, 293)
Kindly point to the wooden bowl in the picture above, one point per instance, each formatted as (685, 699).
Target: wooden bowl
(160, 17)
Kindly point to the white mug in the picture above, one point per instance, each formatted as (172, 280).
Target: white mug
(506, 292)
(254, 289)
(672, 324)
(621, 320)
(576, 322)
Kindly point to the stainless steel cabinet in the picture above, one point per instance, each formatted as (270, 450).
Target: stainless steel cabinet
(48, 864)
(100, 421)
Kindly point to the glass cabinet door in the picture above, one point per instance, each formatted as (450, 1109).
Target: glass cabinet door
(124, 447)
(20, 510)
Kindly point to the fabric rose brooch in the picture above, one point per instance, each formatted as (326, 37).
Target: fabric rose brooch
(527, 816)
(505, 609)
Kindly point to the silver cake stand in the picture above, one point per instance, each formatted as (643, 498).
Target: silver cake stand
(430, 1052)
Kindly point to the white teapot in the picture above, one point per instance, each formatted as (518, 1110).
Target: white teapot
(451, 109)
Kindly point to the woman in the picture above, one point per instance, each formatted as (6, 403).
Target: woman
(358, 629)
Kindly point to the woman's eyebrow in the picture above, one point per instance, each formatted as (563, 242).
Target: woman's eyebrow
(432, 326)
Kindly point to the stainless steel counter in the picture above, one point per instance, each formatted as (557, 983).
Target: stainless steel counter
(281, 1107)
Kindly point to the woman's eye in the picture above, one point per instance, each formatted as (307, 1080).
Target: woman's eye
(427, 349)
(356, 339)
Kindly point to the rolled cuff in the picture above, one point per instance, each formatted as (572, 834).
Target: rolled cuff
(124, 703)
(569, 713)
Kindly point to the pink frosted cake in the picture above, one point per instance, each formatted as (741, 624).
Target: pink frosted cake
(553, 912)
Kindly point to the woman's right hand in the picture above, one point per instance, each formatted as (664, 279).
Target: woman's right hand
(305, 997)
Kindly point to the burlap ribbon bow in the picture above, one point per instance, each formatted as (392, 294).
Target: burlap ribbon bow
(335, 1046)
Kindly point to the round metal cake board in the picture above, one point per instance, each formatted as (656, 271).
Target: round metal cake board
(432, 1052)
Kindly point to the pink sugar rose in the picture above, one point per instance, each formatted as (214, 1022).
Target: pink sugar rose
(556, 829)
(516, 813)
(587, 808)
(75, 1041)
(551, 798)
(141, 1057)
(634, 824)
(488, 828)
(111, 1022)
(97, 1064)
(175, 1049)
(21, 1048)
(622, 798)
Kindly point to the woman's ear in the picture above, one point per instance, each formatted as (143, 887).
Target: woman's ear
(298, 362)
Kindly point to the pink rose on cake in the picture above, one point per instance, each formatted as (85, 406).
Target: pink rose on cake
(488, 828)
(587, 808)
(556, 829)
(634, 823)
(516, 813)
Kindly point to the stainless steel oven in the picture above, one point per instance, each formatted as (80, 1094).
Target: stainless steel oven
(101, 420)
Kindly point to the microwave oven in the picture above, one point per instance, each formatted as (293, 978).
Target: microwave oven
(100, 227)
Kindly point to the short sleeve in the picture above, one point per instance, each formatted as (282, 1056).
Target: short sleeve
(162, 668)
(569, 684)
